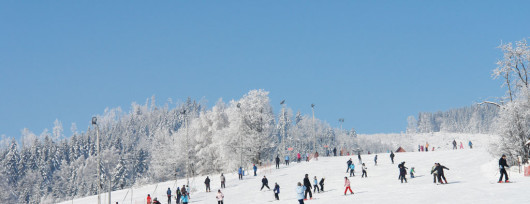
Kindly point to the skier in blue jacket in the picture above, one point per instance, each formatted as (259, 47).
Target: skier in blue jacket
(276, 191)
(240, 172)
(255, 169)
(287, 160)
(168, 195)
(300, 193)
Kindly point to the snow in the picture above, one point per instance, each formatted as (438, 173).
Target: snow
(472, 179)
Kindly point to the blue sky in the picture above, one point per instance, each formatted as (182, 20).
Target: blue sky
(372, 63)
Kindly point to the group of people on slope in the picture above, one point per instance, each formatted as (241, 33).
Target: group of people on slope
(303, 190)
(181, 195)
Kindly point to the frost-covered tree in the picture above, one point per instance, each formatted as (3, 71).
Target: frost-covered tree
(119, 178)
(411, 124)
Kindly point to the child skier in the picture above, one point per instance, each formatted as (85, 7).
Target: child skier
(276, 191)
(364, 171)
(412, 172)
(315, 185)
(322, 184)
(347, 185)
(352, 169)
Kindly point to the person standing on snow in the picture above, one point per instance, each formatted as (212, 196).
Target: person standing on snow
(322, 184)
(392, 156)
(364, 171)
(276, 191)
(440, 171)
(316, 156)
(426, 146)
(219, 197)
(375, 159)
(183, 190)
(207, 182)
(168, 196)
(412, 172)
(434, 173)
(223, 180)
(148, 199)
(299, 157)
(255, 169)
(277, 161)
(178, 194)
(470, 145)
(349, 162)
(315, 185)
(185, 198)
(307, 185)
(347, 185)
(402, 172)
(454, 145)
(352, 169)
(264, 183)
(240, 172)
(334, 151)
(461, 145)
(287, 160)
(300, 193)
(359, 157)
(306, 157)
(502, 165)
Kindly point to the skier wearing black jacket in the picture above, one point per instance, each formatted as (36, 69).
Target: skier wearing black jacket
(307, 185)
(322, 184)
(207, 182)
(402, 172)
(349, 163)
(440, 171)
(392, 156)
(502, 165)
(277, 162)
(264, 183)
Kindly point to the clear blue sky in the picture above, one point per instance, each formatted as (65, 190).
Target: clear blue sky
(373, 64)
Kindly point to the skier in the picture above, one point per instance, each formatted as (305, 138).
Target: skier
(276, 191)
(315, 185)
(347, 185)
(412, 172)
(168, 196)
(223, 180)
(307, 185)
(434, 173)
(287, 160)
(322, 184)
(300, 193)
(352, 169)
(316, 156)
(359, 157)
(185, 198)
(440, 171)
(392, 156)
(349, 162)
(461, 145)
(470, 145)
(454, 145)
(183, 190)
(255, 169)
(148, 199)
(264, 183)
(240, 172)
(402, 172)
(375, 159)
(334, 151)
(277, 162)
(299, 157)
(155, 201)
(502, 168)
(219, 197)
(207, 182)
(364, 171)
(178, 195)
(426, 146)
(306, 157)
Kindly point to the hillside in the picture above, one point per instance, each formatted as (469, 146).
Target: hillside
(472, 179)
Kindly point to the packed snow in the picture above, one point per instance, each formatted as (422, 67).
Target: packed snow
(472, 178)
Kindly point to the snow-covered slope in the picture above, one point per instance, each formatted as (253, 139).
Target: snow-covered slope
(472, 179)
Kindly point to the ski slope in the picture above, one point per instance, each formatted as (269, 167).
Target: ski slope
(472, 179)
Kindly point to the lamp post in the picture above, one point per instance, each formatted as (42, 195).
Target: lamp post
(187, 148)
(284, 133)
(314, 135)
(240, 140)
(94, 123)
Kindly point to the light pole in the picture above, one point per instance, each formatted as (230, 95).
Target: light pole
(240, 140)
(187, 148)
(94, 123)
(284, 133)
(314, 135)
